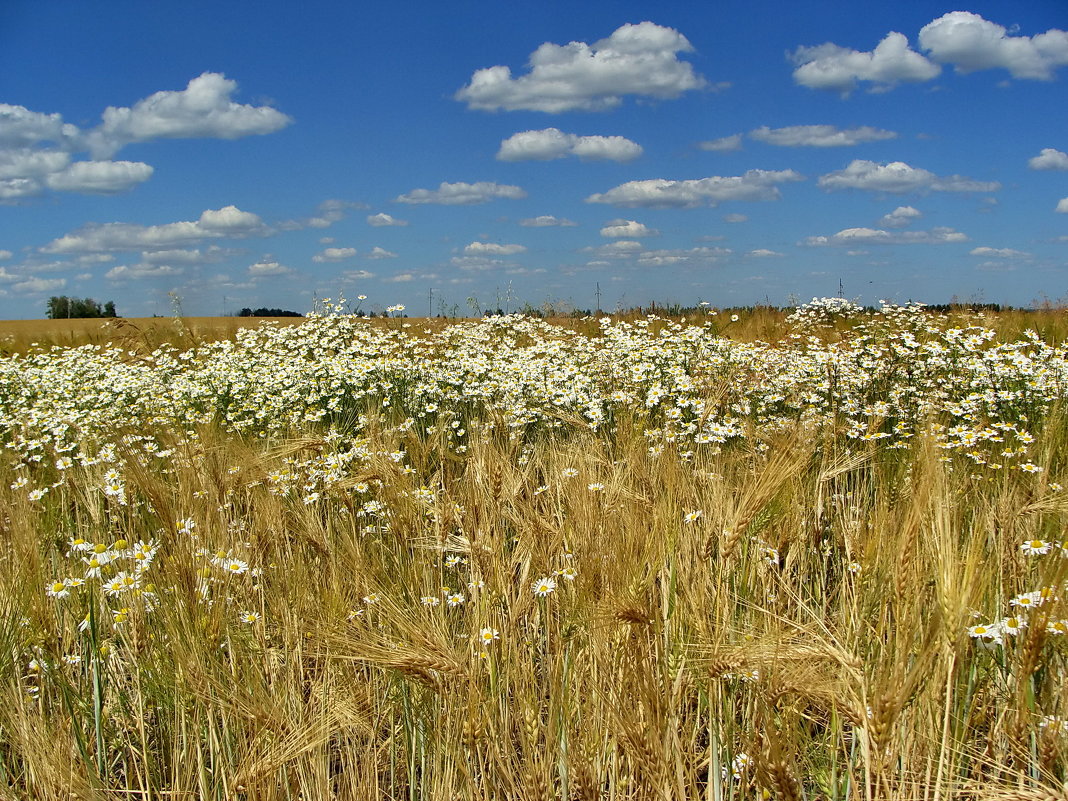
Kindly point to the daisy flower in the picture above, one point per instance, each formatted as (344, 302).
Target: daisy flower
(58, 590)
(1036, 547)
(249, 617)
(456, 599)
(692, 517)
(235, 567)
(488, 635)
(543, 586)
(1013, 625)
(1026, 600)
(985, 633)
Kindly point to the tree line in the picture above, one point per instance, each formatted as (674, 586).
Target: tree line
(61, 307)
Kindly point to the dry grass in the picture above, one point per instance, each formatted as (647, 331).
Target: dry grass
(681, 662)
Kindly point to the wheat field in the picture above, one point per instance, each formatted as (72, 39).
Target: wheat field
(505, 559)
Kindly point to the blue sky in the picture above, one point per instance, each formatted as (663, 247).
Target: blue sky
(260, 154)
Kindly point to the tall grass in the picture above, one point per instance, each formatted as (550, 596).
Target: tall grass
(787, 616)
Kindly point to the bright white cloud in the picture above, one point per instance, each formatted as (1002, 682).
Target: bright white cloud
(203, 109)
(621, 247)
(231, 221)
(819, 135)
(970, 43)
(382, 220)
(692, 257)
(640, 60)
(381, 253)
(356, 275)
(228, 221)
(334, 254)
(552, 143)
(5, 254)
(39, 285)
(99, 177)
(266, 268)
(627, 228)
(878, 236)
(897, 177)
(462, 194)
(725, 144)
(493, 249)
(139, 271)
(1049, 159)
(177, 256)
(20, 127)
(999, 253)
(547, 221)
(763, 253)
(900, 217)
(1062, 205)
(17, 188)
(478, 263)
(829, 66)
(25, 162)
(663, 193)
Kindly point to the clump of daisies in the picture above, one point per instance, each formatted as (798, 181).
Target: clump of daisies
(822, 313)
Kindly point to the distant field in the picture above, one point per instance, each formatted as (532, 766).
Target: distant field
(753, 324)
(16, 335)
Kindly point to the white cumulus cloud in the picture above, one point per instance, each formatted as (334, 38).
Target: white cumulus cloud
(334, 254)
(1049, 159)
(970, 43)
(39, 285)
(819, 135)
(900, 217)
(829, 66)
(493, 249)
(381, 253)
(204, 109)
(139, 271)
(99, 177)
(694, 257)
(462, 194)
(1062, 205)
(664, 193)
(228, 221)
(25, 162)
(20, 127)
(998, 253)
(640, 60)
(897, 177)
(382, 220)
(627, 228)
(268, 268)
(725, 144)
(878, 236)
(12, 189)
(763, 253)
(547, 221)
(552, 143)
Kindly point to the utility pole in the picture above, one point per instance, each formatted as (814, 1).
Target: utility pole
(598, 293)
(431, 314)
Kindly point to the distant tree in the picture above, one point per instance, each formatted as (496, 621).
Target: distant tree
(60, 307)
(264, 312)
